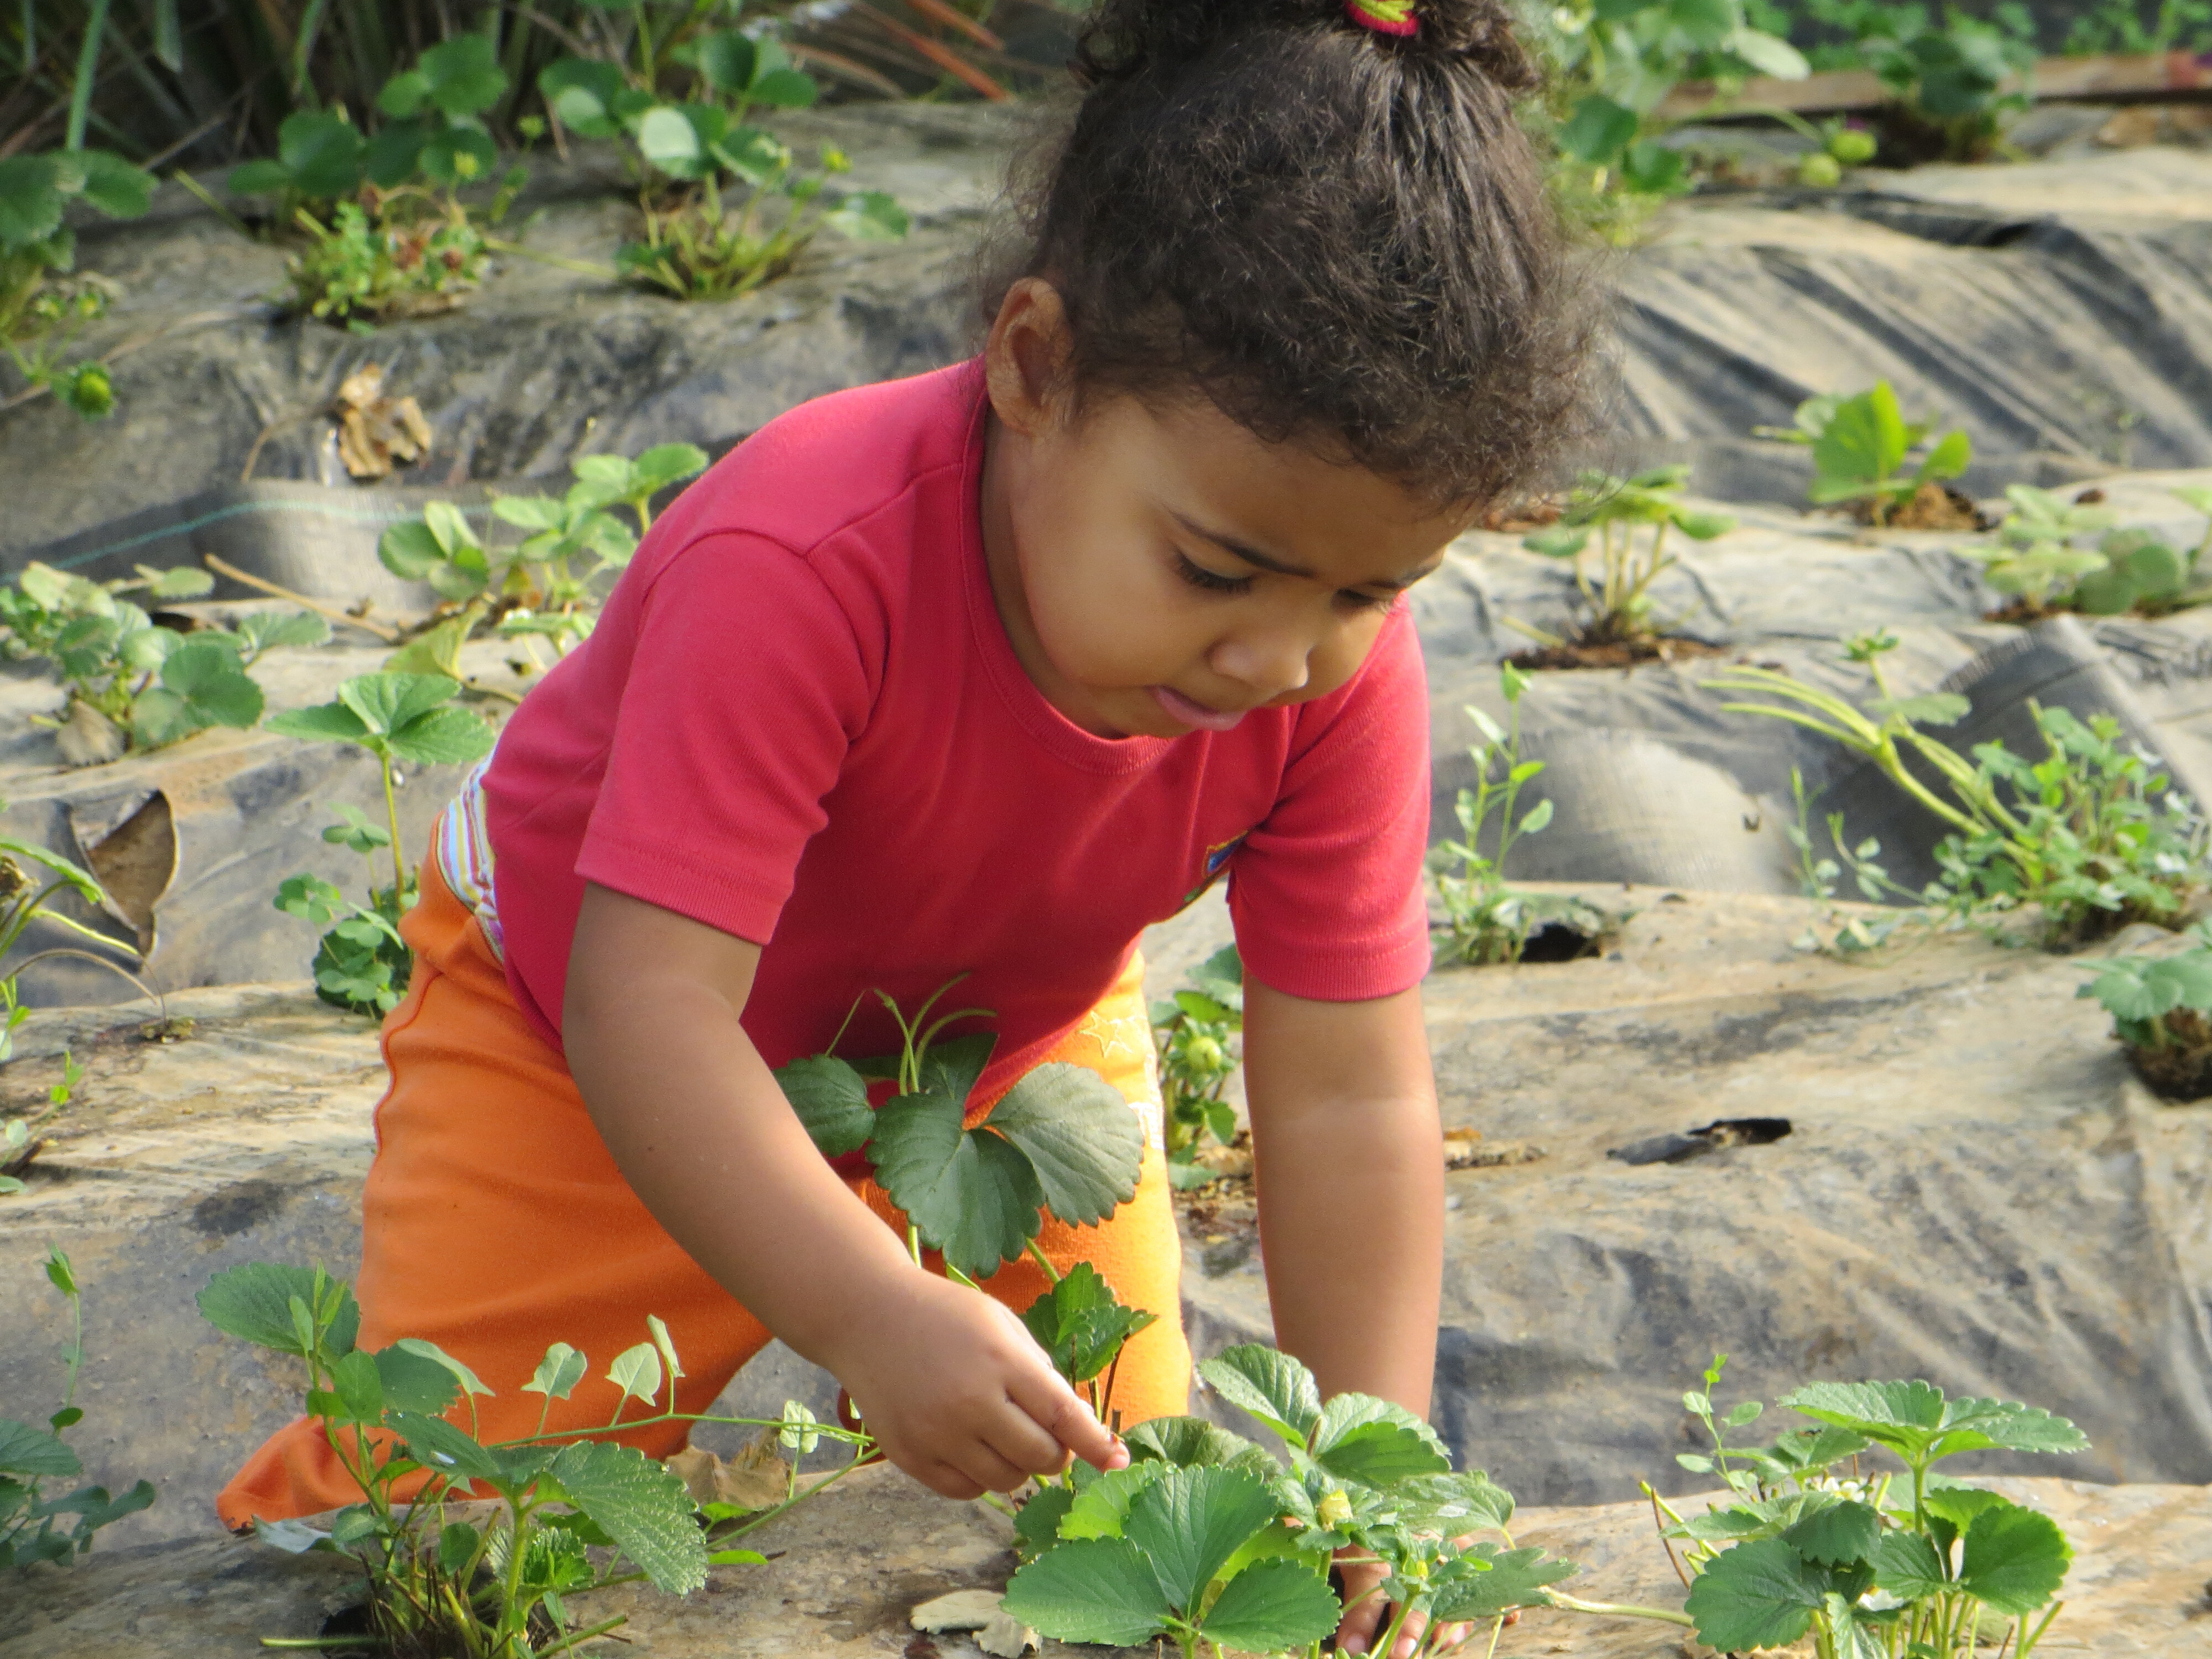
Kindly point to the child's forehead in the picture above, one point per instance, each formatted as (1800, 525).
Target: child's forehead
(1285, 505)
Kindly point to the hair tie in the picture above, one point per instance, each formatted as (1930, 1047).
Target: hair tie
(1383, 16)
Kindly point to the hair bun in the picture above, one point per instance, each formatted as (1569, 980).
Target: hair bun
(1123, 37)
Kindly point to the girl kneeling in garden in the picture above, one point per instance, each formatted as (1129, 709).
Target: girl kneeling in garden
(984, 673)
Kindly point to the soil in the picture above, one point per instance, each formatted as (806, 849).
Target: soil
(2182, 1071)
(1932, 506)
(1613, 654)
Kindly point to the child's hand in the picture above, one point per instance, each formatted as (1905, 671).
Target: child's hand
(958, 1395)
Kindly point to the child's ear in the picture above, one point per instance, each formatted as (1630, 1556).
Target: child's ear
(1025, 360)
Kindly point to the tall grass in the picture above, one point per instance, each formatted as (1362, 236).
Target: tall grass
(205, 83)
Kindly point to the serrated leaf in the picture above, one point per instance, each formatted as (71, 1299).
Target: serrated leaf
(1081, 1325)
(444, 737)
(328, 722)
(2013, 1559)
(357, 1381)
(253, 1302)
(1360, 1438)
(1453, 1503)
(1193, 1442)
(385, 703)
(951, 1067)
(28, 1450)
(642, 1505)
(1100, 1509)
(1099, 1590)
(1517, 1578)
(1837, 1534)
(1191, 1521)
(1270, 1385)
(831, 1100)
(1079, 1135)
(1760, 1595)
(1037, 1523)
(1273, 1607)
(1906, 1564)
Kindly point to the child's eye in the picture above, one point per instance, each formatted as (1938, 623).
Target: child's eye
(1351, 599)
(1211, 580)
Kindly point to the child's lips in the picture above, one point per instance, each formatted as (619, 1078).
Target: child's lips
(1196, 715)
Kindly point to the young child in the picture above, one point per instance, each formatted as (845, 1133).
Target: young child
(983, 673)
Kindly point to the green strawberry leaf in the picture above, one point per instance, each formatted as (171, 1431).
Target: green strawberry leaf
(1100, 1590)
(27, 1450)
(254, 1303)
(1836, 1534)
(1192, 1442)
(1908, 1566)
(642, 1506)
(1100, 1509)
(2013, 1559)
(1517, 1578)
(1273, 1606)
(1080, 1134)
(1269, 1384)
(831, 1100)
(1760, 1595)
(1359, 1437)
(1190, 1521)
(444, 737)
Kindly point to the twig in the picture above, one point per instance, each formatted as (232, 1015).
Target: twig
(1666, 1543)
(207, 198)
(224, 567)
(254, 455)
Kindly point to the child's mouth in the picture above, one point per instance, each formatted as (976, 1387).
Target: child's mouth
(1194, 714)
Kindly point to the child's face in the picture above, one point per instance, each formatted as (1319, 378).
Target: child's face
(1162, 571)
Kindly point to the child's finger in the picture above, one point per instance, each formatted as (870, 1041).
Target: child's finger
(1060, 1412)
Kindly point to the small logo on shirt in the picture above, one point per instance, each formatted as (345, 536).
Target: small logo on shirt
(1217, 861)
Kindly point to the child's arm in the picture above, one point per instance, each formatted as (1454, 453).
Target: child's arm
(950, 1384)
(1348, 1157)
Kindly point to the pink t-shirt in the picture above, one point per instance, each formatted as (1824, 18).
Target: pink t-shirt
(799, 721)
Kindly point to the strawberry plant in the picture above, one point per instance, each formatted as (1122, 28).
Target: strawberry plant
(2161, 1010)
(2091, 832)
(43, 308)
(685, 153)
(1195, 1030)
(545, 585)
(361, 963)
(1859, 443)
(2129, 570)
(1485, 919)
(1206, 1539)
(133, 683)
(1798, 1546)
(387, 235)
(32, 1526)
(1620, 602)
(496, 1586)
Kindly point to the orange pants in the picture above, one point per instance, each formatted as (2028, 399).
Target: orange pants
(495, 1224)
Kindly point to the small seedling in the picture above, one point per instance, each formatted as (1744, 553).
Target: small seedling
(2161, 1010)
(684, 154)
(546, 586)
(43, 308)
(496, 1586)
(1814, 1549)
(1859, 444)
(1632, 518)
(1196, 1029)
(2092, 833)
(361, 963)
(1485, 921)
(32, 1526)
(132, 682)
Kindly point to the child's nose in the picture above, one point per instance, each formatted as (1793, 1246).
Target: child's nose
(1272, 664)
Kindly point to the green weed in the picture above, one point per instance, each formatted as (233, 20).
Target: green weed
(2161, 1010)
(361, 964)
(1632, 517)
(1196, 1029)
(32, 1526)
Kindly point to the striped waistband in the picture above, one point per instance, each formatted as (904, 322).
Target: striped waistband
(462, 845)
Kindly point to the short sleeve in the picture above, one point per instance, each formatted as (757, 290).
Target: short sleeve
(749, 683)
(1326, 892)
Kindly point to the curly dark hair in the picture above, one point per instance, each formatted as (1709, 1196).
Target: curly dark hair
(1338, 235)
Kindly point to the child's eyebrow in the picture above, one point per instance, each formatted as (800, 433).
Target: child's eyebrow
(1285, 567)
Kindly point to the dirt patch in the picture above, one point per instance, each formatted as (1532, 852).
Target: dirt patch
(2182, 1070)
(1614, 653)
